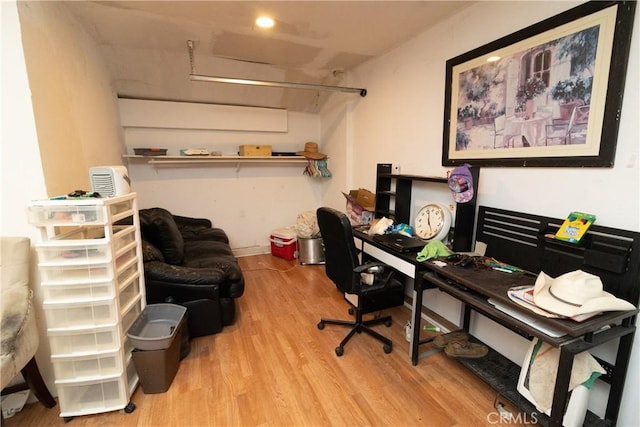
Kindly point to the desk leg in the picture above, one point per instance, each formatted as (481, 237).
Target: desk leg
(561, 390)
(618, 378)
(466, 317)
(416, 311)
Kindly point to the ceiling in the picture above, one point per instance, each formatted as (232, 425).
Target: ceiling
(144, 44)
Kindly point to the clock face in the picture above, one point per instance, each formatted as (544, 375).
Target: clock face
(433, 222)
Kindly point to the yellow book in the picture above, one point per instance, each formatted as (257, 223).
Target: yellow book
(575, 227)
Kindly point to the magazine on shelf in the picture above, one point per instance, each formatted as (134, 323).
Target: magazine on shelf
(529, 319)
(523, 296)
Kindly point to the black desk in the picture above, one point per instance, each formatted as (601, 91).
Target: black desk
(482, 284)
(472, 287)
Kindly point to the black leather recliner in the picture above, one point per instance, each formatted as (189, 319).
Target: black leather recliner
(189, 262)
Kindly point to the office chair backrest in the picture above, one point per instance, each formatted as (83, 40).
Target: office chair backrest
(341, 256)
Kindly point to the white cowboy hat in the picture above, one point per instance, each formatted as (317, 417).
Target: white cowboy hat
(576, 292)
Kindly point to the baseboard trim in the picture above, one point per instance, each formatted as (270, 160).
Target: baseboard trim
(251, 250)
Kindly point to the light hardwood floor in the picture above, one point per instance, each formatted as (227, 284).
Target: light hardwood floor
(273, 367)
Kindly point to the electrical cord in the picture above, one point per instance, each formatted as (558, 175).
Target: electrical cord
(505, 415)
(271, 269)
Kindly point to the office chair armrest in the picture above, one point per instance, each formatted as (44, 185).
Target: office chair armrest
(366, 268)
(380, 277)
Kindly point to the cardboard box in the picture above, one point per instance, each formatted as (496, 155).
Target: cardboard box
(360, 206)
(255, 150)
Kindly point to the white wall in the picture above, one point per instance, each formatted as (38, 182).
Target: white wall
(74, 103)
(55, 126)
(248, 201)
(21, 177)
(401, 122)
(338, 145)
(406, 95)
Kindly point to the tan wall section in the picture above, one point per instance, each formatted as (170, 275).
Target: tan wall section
(74, 105)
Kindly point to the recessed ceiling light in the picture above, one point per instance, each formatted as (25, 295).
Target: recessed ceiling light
(265, 22)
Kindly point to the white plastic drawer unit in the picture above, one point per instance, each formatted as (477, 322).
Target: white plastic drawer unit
(87, 367)
(122, 236)
(126, 269)
(85, 211)
(120, 209)
(126, 254)
(93, 291)
(132, 375)
(44, 215)
(129, 291)
(77, 292)
(73, 252)
(131, 312)
(128, 346)
(84, 341)
(76, 273)
(90, 397)
(80, 314)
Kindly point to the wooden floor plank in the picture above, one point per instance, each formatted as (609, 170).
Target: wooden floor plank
(274, 367)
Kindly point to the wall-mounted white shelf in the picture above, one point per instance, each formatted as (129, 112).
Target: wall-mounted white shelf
(216, 160)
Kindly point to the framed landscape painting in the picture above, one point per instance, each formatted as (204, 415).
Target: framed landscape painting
(547, 95)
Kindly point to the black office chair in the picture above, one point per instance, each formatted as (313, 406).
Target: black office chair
(344, 269)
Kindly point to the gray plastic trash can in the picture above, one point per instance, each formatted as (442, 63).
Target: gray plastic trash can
(157, 335)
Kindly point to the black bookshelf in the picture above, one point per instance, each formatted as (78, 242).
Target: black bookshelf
(394, 201)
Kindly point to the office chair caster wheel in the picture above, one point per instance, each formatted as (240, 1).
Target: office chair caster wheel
(339, 351)
(130, 407)
(387, 323)
(387, 348)
(321, 325)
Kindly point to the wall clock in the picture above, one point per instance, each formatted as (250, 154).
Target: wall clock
(433, 222)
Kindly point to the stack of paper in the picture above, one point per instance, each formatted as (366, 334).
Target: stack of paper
(523, 295)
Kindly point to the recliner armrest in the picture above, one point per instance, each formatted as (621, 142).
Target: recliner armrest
(179, 293)
(160, 271)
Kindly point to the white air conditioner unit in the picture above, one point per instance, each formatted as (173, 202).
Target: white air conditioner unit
(109, 181)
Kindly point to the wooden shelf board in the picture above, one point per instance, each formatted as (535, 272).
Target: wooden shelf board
(415, 177)
(159, 160)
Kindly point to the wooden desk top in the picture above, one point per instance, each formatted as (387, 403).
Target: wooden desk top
(475, 286)
(483, 284)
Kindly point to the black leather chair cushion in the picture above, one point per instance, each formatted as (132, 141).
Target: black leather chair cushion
(151, 253)
(162, 231)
